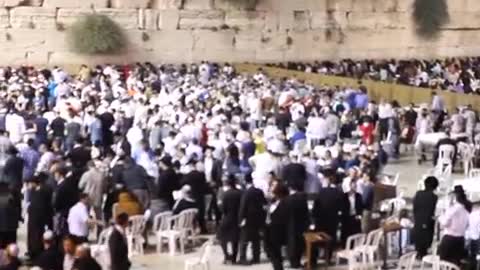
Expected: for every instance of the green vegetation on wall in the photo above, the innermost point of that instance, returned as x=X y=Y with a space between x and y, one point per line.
x=430 y=16
x=96 y=34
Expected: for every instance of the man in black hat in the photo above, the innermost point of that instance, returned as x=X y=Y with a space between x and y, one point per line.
x=40 y=214
x=424 y=204
x=196 y=180
x=168 y=181
x=252 y=220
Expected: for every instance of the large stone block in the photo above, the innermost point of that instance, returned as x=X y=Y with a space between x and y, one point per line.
x=75 y=3
x=169 y=19
x=130 y=3
x=33 y=17
x=247 y=40
x=378 y=20
x=126 y=18
x=169 y=40
x=68 y=16
x=209 y=40
x=166 y=4
x=149 y=18
x=196 y=19
x=245 y=19
x=463 y=20
x=273 y=41
x=4 y=18
x=301 y=20
x=286 y=20
x=198 y=4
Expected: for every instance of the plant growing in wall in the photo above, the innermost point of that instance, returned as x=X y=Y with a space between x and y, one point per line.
x=96 y=34
x=244 y=4
x=430 y=16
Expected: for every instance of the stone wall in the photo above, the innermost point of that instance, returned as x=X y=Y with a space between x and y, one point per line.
x=33 y=31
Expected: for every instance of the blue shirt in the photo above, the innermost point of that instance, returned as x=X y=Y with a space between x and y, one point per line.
x=361 y=101
x=297 y=136
x=30 y=158
x=96 y=131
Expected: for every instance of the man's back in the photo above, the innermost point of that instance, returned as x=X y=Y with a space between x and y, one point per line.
x=118 y=251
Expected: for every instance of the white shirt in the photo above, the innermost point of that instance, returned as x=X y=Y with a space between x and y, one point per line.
x=455 y=220
x=15 y=125
x=317 y=128
x=68 y=261
x=45 y=161
x=385 y=111
x=77 y=220
x=473 y=231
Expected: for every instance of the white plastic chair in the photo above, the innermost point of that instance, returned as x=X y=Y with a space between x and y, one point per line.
x=371 y=246
x=467 y=153
x=160 y=223
x=406 y=261
x=100 y=251
x=349 y=253
x=181 y=226
x=135 y=232
x=391 y=179
x=431 y=259
x=446 y=154
x=443 y=265
x=202 y=262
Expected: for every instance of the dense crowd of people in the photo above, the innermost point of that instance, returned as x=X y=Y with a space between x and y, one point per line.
x=460 y=75
x=248 y=152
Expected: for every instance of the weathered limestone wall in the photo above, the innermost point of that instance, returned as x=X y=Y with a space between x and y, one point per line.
x=33 y=31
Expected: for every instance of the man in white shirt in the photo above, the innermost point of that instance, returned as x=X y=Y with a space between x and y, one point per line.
x=15 y=125
x=79 y=220
x=473 y=235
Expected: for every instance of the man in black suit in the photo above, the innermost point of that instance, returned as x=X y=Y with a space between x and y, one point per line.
x=117 y=244
x=229 y=230
x=13 y=169
x=40 y=214
x=327 y=211
x=352 y=216
x=276 y=226
x=65 y=196
x=298 y=218
x=424 y=204
x=79 y=155
x=196 y=180
x=168 y=181
x=252 y=220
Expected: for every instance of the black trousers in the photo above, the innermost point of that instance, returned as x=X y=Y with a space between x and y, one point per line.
x=201 y=214
x=452 y=249
x=252 y=237
x=34 y=239
x=295 y=247
x=274 y=251
x=473 y=249
x=382 y=128
x=232 y=257
x=423 y=237
x=7 y=238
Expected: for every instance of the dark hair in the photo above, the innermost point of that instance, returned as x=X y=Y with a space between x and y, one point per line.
x=121 y=219
x=462 y=199
x=30 y=142
x=83 y=196
x=280 y=191
x=431 y=183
